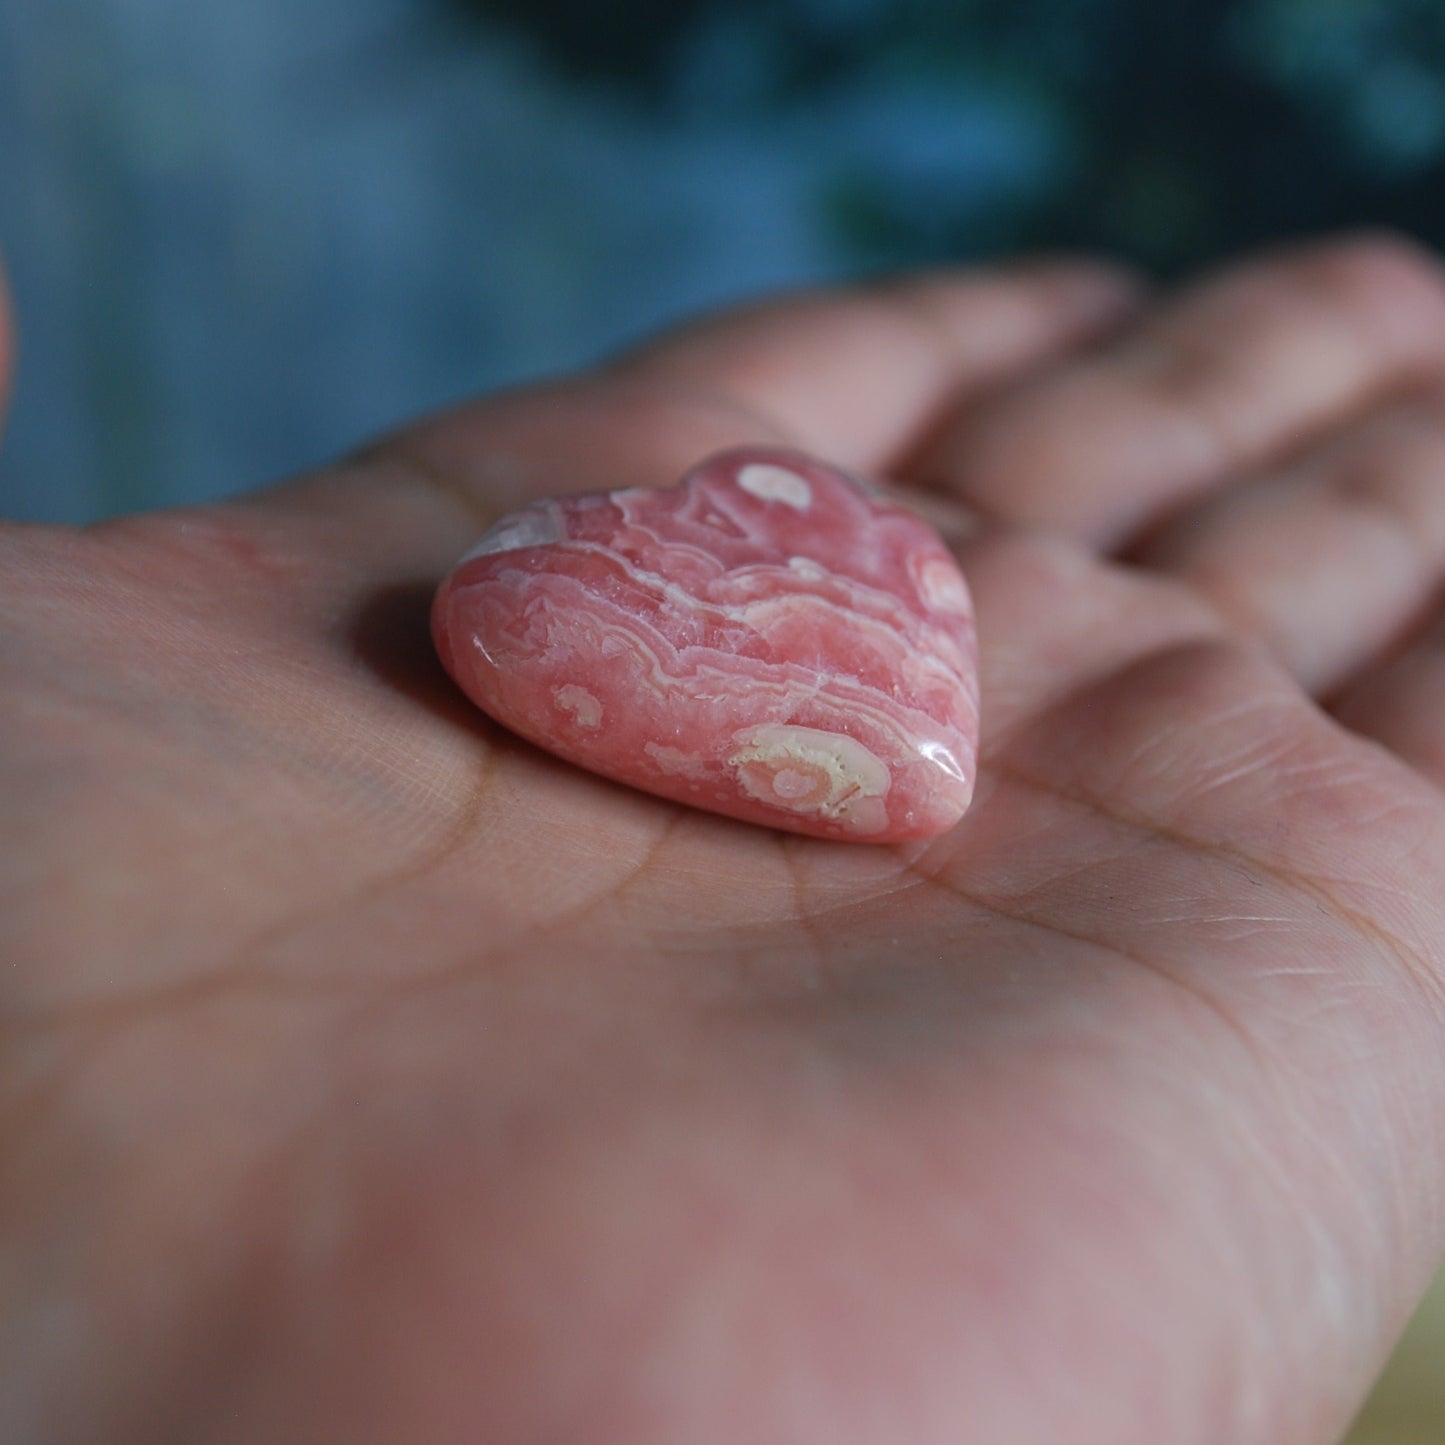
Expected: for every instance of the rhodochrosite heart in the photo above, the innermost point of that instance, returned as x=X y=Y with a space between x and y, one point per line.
x=766 y=640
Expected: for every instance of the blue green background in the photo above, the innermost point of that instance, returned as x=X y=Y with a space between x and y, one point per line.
x=244 y=237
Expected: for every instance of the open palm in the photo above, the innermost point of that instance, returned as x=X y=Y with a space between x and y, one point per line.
x=369 y=1075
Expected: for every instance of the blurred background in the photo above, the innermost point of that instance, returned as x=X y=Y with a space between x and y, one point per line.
x=244 y=237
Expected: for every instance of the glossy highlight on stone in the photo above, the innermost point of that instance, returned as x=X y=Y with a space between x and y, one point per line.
x=768 y=640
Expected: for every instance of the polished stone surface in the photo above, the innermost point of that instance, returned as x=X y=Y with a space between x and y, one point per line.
x=767 y=640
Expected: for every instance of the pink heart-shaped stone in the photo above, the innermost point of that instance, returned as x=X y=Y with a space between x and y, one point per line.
x=766 y=640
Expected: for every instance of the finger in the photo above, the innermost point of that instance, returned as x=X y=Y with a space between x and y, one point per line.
x=1054 y=617
x=857 y=375
x=1231 y=373
x=853 y=375
x=1329 y=560
x=1400 y=703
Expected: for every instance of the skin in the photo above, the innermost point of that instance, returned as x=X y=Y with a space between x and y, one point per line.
x=368 y=1075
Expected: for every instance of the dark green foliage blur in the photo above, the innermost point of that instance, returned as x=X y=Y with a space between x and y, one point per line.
x=1177 y=129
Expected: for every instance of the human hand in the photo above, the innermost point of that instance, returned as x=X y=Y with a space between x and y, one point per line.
x=371 y=1076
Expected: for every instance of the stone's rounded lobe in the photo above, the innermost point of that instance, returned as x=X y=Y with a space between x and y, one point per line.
x=766 y=640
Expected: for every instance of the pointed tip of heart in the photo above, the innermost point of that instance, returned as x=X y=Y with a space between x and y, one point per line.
x=763 y=640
